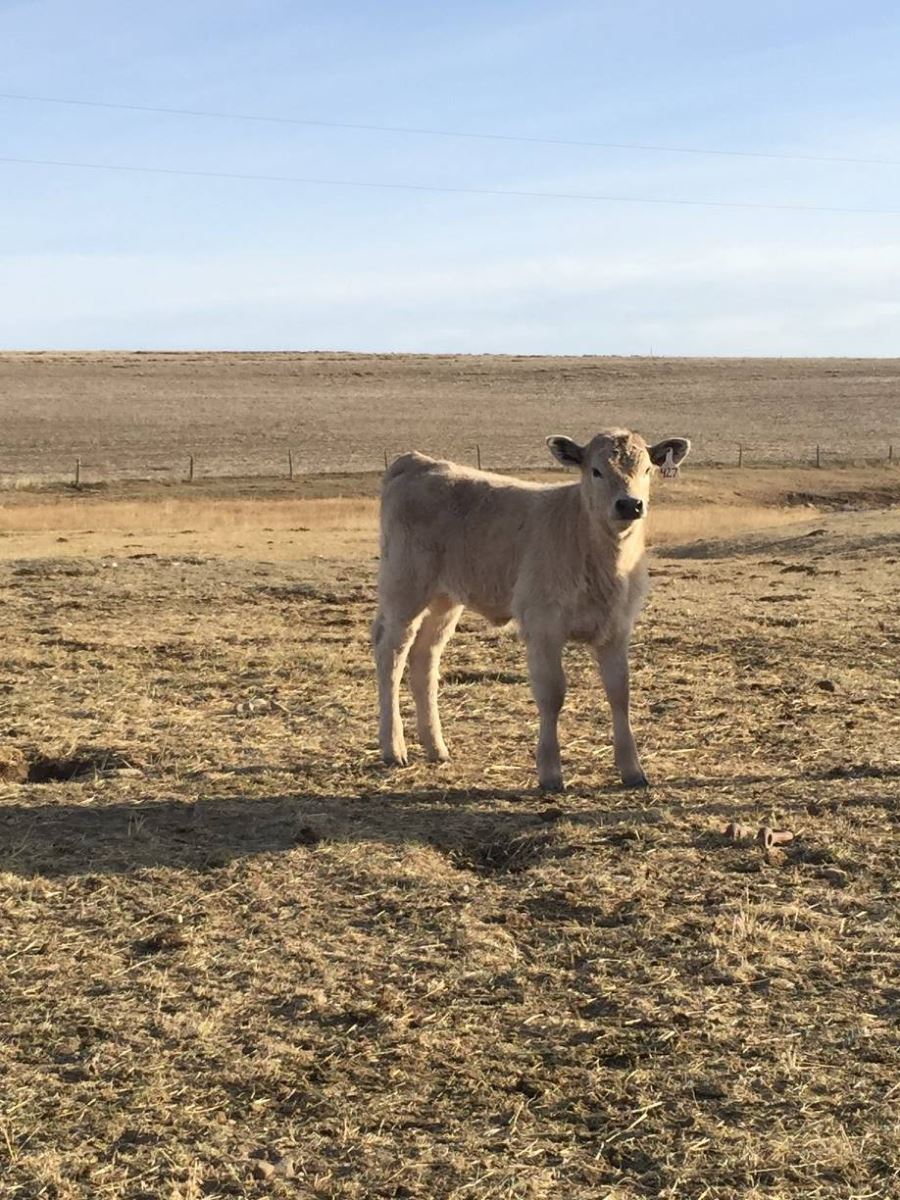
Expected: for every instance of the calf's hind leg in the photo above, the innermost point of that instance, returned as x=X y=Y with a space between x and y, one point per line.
x=391 y=638
x=424 y=663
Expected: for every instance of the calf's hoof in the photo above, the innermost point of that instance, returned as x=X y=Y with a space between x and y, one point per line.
x=395 y=759
x=638 y=780
x=553 y=783
x=438 y=755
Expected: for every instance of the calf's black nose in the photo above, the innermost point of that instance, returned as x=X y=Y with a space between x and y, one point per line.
x=629 y=508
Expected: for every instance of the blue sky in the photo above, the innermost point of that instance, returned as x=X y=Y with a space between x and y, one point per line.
x=96 y=259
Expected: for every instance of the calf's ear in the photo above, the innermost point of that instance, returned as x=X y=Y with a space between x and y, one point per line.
x=679 y=447
x=564 y=450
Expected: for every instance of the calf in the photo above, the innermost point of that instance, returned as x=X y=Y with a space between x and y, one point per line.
x=565 y=561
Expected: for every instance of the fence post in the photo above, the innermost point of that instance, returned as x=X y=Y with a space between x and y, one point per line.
x=385 y=460
x=818 y=456
x=478 y=455
x=740 y=455
x=290 y=464
x=191 y=469
x=891 y=453
x=78 y=472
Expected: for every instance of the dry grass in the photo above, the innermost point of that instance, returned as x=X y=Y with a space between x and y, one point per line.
x=674 y=525
x=338 y=528
x=336 y=516
x=345 y=528
x=242 y=959
x=171 y=516
x=28 y=483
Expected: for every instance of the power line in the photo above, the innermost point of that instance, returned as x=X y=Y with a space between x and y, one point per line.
x=453 y=133
x=456 y=191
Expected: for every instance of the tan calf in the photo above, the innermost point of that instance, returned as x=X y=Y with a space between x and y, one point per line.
x=566 y=562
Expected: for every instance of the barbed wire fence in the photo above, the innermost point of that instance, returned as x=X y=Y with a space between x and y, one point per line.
x=292 y=465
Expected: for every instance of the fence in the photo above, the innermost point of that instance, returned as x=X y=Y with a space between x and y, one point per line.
x=193 y=467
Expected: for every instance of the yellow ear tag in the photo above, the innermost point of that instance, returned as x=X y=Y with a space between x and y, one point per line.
x=669 y=469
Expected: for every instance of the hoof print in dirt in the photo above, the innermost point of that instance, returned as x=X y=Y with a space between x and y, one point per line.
x=308 y=835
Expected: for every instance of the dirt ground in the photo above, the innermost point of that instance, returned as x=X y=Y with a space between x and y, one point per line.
x=128 y=415
x=241 y=958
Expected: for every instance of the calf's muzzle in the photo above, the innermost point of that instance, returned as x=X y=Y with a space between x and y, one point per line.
x=629 y=508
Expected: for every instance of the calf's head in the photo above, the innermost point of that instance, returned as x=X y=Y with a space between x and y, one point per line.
x=616 y=467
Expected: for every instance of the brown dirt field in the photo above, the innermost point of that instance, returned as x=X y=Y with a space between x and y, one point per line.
x=142 y=414
x=240 y=958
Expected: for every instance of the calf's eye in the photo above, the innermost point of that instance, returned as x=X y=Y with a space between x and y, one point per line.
x=597 y=474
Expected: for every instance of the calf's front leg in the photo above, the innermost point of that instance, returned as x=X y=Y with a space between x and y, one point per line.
x=548 y=683
x=613 y=663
